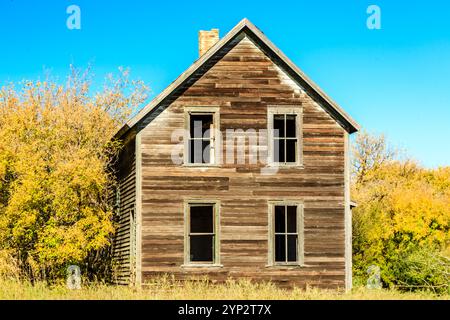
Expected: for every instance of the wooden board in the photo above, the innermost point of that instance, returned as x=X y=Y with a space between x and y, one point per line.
x=243 y=83
x=124 y=200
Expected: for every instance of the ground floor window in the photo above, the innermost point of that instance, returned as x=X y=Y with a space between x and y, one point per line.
x=286 y=240
x=201 y=240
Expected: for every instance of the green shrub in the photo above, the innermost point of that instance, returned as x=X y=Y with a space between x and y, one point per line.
x=422 y=268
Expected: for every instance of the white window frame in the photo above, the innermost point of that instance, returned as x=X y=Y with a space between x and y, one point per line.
x=215 y=144
x=300 y=233
x=285 y=110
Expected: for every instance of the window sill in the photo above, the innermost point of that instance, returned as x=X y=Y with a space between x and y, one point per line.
x=199 y=165
x=201 y=265
x=287 y=166
x=285 y=266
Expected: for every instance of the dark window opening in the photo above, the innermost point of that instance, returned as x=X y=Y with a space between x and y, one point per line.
x=285 y=138
x=280 y=248
x=280 y=217
x=291 y=150
x=286 y=234
x=200 y=125
x=202 y=248
x=202 y=219
x=278 y=125
x=201 y=233
x=290 y=126
x=291 y=219
x=292 y=248
x=200 y=138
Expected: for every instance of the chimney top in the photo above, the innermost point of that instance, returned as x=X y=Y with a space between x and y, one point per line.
x=206 y=39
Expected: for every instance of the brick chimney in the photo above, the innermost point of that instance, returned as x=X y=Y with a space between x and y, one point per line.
x=206 y=39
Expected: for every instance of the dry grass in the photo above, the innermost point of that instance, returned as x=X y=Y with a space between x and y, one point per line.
x=166 y=289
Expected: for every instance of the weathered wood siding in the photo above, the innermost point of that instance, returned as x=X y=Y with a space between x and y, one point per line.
x=243 y=83
x=124 y=201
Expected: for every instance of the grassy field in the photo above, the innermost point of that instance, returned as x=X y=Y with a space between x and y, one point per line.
x=165 y=289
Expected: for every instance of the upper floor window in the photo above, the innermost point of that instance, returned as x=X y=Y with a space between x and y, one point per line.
x=285 y=135
x=201 y=142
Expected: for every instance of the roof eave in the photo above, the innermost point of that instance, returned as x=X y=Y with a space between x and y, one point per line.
x=349 y=124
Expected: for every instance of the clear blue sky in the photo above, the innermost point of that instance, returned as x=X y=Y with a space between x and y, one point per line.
x=394 y=81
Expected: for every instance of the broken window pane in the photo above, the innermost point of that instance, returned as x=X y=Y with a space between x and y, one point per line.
x=278 y=126
x=292 y=248
x=206 y=147
x=202 y=219
x=202 y=248
x=291 y=148
x=292 y=219
x=290 y=126
x=280 y=221
x=199 y=151
x=200 y=125
x=196 y=151
x=279 y=155
x=280 y=248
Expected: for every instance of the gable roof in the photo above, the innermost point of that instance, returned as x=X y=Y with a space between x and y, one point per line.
x=201 y=66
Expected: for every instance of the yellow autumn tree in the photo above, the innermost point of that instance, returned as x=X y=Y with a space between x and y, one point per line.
x=55 y=150
x=402 y=222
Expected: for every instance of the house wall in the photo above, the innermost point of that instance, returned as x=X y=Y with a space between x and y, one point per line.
x=124 y=198
x=243 y=84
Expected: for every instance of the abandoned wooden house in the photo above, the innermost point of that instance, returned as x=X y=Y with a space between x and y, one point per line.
x=193 y=201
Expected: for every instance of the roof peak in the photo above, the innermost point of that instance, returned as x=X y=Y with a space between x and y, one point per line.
x=337 y=112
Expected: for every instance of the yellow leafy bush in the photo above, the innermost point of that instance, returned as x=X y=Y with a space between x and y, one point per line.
x=402 y=219
x=55 y=150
